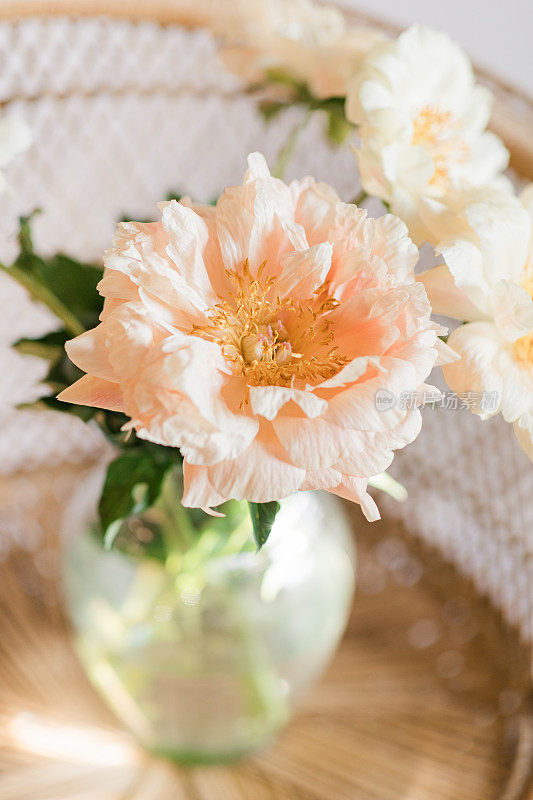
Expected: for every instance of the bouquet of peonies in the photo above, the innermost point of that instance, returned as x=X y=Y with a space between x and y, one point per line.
x=247 y=341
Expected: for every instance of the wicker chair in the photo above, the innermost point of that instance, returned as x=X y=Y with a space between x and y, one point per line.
x=429 y=696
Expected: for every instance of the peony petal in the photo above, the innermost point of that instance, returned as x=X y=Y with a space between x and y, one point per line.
x=140 y=252
x=391 y=243
x=354 y=489
x=269 y=239
x=89 y=391
x=503 y=229
x=261 y=474
x=191 y=401
x=350 y=373
x=268 y=400
x=314 y=204
x=88 y=351
x=322 y=479
x=256 y=221
x=314 y=444
x=356 y=407
x=197 y=491
x=478 y=344
x=257 y=168
x=523 y=428
x=513 y=310
x=445 y=354
x=188 y=236
x=445 y=296
x=303 y=272
x=130 y=336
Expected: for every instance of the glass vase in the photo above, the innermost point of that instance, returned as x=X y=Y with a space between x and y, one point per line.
x=200 y=644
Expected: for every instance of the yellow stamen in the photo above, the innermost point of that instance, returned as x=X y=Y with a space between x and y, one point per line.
x=270 y=340
x=523 y=347
x=438 y=132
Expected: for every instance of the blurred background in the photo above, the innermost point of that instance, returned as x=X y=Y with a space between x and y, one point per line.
x=497 y=35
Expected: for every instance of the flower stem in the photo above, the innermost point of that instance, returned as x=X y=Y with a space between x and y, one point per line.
x=388 y=484
x=42 y=294
x=177 y=530
x=359 y=198
x=288 y=148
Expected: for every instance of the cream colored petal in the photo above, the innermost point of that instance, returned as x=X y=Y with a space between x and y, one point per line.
x=478 y=344
x=523 y=428
x=503 y=229
x=465 y=261
x=445 y=354
x=488 y=156
x=445 y=296
x=513 y=310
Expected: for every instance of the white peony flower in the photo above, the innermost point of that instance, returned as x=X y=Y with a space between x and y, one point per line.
x=486 y=240
x=422 y=123
x=311 y=43
x=15 y=137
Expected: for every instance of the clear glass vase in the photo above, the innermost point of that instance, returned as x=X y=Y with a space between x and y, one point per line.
x=202 y=654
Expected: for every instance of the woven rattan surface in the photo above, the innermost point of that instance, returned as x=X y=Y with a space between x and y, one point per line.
x=427 y=698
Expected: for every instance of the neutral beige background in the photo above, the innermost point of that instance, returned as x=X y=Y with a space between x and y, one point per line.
x=498 y=34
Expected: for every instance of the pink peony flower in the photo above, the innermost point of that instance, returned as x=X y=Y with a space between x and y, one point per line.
x=254 y=336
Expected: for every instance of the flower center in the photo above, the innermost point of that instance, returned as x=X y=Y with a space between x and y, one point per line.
x=438 y=133
x=273 y=341
x=523 y=347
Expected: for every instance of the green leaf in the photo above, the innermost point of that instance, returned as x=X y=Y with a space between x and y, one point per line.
x=66 y=286
x=74 y=284
x=339 y=128
x=281 y=76
x=61 y=371
x=25 y=238
x=270 y=109
x=71 y=283
x=132 y=485
x=263 y=516
x=333 y=104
